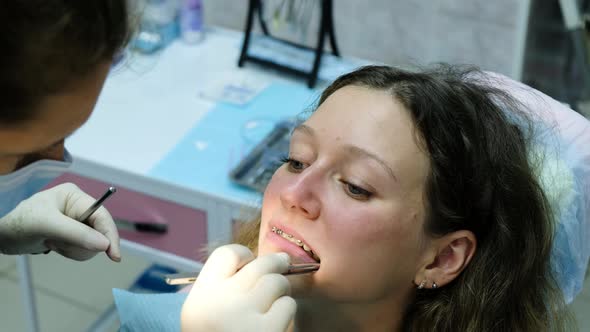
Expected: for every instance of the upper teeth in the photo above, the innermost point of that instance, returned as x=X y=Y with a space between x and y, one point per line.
x=298 y=242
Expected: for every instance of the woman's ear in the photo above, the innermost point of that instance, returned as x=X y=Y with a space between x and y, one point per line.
x=449 y=258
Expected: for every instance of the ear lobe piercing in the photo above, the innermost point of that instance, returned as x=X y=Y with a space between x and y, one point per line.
x=423 y=284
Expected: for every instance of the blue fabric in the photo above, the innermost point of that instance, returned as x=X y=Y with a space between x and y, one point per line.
x=567 y=192
x=149 y=312
x=562 y=159
x=565 y=176
x=23 y=183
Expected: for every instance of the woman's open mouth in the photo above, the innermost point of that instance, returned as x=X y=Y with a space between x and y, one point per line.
x=297 y=242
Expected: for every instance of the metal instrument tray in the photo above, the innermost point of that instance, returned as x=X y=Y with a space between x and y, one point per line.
x=256 y=169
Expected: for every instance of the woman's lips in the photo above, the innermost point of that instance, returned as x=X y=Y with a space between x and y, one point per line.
x=298 y=255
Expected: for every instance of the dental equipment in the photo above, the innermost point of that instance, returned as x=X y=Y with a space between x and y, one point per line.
x=84 y=217
x=191 y=277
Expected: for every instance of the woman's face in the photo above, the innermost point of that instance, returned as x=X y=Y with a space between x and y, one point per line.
x=352 y=192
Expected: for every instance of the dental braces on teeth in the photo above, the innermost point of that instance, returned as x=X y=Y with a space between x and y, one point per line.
x=298 y=242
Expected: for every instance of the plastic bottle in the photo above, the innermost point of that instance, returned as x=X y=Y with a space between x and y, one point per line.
x=158 y=26
x=191 y=21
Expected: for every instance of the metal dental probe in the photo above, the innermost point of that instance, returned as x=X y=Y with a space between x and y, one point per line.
x=191 y=277
x=84 y=217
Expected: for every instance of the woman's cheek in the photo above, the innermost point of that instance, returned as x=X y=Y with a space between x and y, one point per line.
x=356 y=223
x=270 y=203
x=276 y=182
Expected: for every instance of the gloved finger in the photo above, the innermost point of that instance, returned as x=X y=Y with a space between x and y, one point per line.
x=268 y=289
x=224 y=262
x=102 y=222
x=70 y=251
x=64 y=229
x=280 y=314
x=247 y=277
x=72 y=203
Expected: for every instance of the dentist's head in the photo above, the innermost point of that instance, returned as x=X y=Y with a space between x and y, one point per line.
x=55 y=58
x=54 y=61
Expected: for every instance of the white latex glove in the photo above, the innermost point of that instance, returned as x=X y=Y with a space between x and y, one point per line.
x=47 y=220
x=255 y=298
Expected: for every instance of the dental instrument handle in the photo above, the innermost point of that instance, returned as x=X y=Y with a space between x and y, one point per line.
x=84 y=217
x=191 y=277
x=302 y=268
x=141 y=226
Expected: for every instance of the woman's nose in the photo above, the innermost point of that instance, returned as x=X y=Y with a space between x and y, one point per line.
x=300 y=196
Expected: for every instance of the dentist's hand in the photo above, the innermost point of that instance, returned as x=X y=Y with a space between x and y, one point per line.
x=47 y=220
x=255 y=298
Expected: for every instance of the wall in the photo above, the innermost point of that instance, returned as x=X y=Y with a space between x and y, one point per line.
x=486 y=33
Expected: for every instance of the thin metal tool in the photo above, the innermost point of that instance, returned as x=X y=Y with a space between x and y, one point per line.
x=84 y=217
x=191 y=277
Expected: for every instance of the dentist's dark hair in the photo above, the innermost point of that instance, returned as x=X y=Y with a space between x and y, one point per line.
x=477 y=138
x=47 y=45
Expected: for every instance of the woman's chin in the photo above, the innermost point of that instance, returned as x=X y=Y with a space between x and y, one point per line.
x=302 y=285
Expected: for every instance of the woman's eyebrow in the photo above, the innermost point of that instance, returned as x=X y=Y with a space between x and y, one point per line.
x=304 y=129
x=352 y=149
x=355 y=150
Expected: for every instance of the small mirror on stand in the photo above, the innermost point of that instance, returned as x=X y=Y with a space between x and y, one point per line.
x=326 y=29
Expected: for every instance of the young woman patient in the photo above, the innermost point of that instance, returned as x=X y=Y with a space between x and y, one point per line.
x=415 y=193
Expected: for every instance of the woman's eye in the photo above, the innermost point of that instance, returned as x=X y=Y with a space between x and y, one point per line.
x=357 y=192
x=293 y=165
